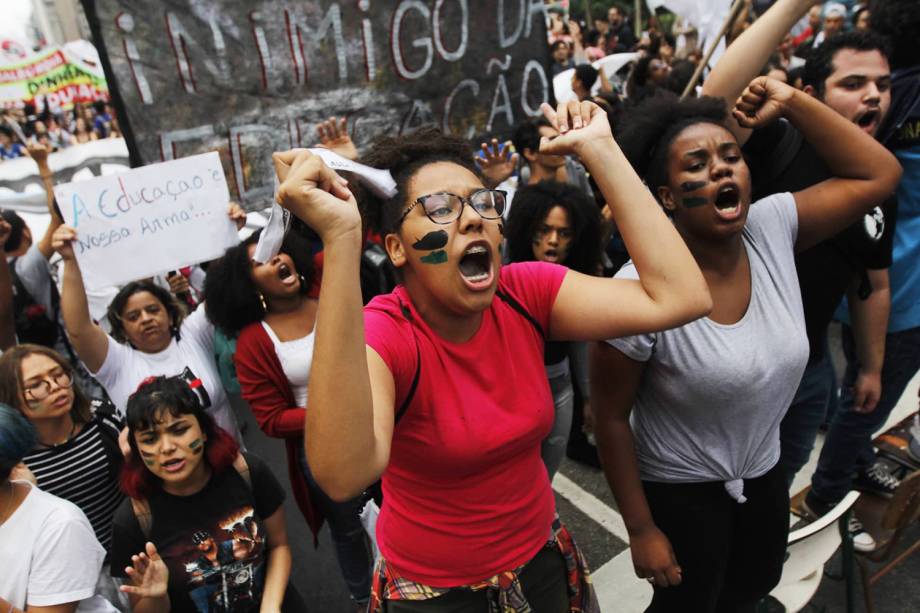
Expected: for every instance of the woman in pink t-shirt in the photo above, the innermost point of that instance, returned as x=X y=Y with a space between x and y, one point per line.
x=438 y=388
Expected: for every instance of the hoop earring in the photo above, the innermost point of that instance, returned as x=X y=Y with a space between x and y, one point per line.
x=262 y=302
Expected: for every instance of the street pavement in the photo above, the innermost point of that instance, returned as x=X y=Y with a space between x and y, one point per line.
x=587 y=507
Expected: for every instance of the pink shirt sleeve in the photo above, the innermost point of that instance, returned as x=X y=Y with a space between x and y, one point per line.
x=387 y=332
x=535 y=285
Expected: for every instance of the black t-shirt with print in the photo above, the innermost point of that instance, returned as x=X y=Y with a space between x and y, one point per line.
x=782 y=161
x=213 y=542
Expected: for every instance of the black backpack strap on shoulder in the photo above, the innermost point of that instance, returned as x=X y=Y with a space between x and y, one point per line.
x=242 y=467
x=788 y=147
x=144 y=516
x=418 y=364
x=517 y=306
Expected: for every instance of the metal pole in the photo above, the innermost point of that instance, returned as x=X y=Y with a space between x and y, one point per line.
x=589 y=23
x=733 y=13
x=637 y=19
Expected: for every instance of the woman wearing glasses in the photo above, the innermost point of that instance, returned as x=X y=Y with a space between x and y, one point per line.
x=438 y=388
x=76 y=456
x=558 y=223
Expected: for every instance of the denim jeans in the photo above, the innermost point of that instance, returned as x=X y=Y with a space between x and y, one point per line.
x=352 y=547
x=808 y=410
x=848 y=447
x=552 y=450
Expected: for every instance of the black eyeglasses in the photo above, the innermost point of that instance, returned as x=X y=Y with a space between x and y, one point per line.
x=39 y=390
x=444 y=208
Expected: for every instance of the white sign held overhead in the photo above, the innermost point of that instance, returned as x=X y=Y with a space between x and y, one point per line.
x=148 y=220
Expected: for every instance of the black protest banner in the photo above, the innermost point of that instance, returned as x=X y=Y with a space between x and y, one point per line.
x=248 y=77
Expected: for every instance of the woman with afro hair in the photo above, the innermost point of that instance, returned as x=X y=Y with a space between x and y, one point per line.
x=555 y=222
x=687 y=420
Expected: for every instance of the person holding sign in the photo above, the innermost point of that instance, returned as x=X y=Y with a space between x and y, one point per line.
x=439 y=389
x=150 y=336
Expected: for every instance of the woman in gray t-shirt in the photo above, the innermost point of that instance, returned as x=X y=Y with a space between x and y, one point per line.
x=688 y=419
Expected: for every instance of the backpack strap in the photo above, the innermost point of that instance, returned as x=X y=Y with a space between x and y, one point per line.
x=242 y=467
x=418 y=365
x=143 y=515
x=517 y=306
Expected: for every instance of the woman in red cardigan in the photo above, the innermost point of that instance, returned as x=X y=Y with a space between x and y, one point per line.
x=271 y=311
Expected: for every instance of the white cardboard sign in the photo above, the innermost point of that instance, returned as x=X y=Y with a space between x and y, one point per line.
x=148 y=220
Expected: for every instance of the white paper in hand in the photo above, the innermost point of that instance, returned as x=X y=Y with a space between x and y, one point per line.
x=273 y=233
x=378 y=181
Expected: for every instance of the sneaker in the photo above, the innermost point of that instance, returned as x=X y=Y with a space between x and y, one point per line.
x=877 y=480
x=813 y=508
x=862 y=540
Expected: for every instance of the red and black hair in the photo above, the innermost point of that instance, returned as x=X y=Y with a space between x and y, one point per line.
x=146 y=407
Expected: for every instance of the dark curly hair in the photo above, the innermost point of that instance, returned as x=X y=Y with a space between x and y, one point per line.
x=403 y=156
x=117 y=306
x=526 y=134
x=231 y=298
x=638 y=85
x=153 y=398
x=648 y=130
x=820 y=63
x=899 y=22
x=531 y=206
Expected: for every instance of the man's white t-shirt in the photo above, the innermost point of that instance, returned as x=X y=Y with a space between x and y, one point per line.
x=50 y=555
x=192 y=356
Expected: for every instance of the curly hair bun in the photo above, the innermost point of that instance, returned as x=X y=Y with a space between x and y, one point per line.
x=649 y=128
x=403 y=156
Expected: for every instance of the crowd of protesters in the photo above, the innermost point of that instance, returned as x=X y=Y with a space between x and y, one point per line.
x=642 y=279
x=23 y=127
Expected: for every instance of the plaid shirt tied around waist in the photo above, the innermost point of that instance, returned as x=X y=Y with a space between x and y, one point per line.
x=505 y=593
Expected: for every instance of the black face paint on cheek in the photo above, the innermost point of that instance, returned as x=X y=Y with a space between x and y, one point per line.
x=692 y=186
x=431 y=241
x=693 y=202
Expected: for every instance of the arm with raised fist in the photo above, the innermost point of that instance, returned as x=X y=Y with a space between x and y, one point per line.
x=671 y=290
x=90 y=342
x=349 y=421
x=747 y=55
x=864 y=173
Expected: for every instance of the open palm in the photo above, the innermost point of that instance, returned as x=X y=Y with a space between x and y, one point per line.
x=149 y=576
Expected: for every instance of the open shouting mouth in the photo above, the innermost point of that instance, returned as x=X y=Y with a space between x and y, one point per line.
x=476 y=266
x=728 y=202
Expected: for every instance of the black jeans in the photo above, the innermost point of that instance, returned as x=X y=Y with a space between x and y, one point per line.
x=731 y=554
x=543 y=580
